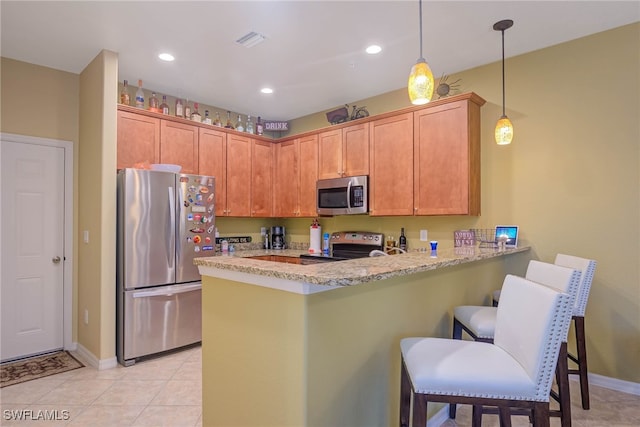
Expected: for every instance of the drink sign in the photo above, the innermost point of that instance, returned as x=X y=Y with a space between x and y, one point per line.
x=276 y=126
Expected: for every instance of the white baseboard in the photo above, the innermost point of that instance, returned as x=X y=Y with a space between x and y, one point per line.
x=91 y=359
x=440 y=417
x=614 y=384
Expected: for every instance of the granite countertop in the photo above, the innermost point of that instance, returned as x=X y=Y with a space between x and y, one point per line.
x=345 y=273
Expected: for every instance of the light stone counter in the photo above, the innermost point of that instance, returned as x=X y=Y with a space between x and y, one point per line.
x=330 y=275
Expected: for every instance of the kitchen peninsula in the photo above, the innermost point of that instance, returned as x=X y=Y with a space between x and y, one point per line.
x=317 y=345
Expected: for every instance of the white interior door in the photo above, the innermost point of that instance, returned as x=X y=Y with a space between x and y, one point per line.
x=32 y=287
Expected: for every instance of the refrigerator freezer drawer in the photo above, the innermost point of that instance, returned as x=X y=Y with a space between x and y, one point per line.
x=160 y=319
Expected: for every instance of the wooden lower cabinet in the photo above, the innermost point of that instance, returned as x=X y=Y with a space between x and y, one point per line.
x=296 y=173
x=391 y=163
x=447 y=159
x=212 y=161
x=138 y=140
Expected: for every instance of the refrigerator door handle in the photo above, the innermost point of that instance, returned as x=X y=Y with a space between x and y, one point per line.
x=171 y=241
x=167 y=291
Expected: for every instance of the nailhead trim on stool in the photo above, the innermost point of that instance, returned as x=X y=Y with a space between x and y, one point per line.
x=479 y=321
x=516 y=371
x=588 y=268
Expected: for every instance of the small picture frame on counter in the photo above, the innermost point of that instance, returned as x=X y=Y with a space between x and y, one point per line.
x=464 y=238
x=511 y=231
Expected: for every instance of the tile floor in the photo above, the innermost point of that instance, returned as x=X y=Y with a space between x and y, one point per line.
x=168 y=392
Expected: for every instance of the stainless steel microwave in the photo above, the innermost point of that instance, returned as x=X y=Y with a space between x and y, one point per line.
x=343 y=196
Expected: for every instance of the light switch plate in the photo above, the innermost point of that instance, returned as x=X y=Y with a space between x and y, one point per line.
x=424 y=237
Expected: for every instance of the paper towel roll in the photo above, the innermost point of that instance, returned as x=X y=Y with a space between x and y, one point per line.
x=315 y=238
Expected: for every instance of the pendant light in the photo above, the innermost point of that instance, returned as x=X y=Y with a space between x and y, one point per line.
x=420 y=84
x=504 y=128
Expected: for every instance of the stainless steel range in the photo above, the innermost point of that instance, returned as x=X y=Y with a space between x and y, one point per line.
x=346 y=245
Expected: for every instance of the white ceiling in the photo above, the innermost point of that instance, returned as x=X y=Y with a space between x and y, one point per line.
x=313 y=56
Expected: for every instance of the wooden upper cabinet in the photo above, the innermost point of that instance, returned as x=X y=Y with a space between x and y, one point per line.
x=261 y=178
x=330 y=154
x=344 y=152
x=447 y=159
x=179 y=145
x=138 y=140
x=212 y=161
x=287 y=178
x=238 y=175
x=355 y=150
x=391 y=162
x=307 y=201
x=296 y=173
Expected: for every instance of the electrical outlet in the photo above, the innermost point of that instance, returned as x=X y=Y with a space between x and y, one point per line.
x=424 y=237
x=86 y=316
x=85 y=236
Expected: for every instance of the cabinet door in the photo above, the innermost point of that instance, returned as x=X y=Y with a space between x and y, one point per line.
x=179 y=145
x=138 y=140
x=391 y=157
x=443 y=161
x=261 y=178
x=212 y=160
x=238 y=175
x=355 y=150
x=330 y=154
x=308 y=176
x=287 y=178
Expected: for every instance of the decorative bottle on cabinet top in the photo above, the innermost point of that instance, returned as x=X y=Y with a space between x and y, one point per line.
x=125 y=99
x=140 y=95
x=164 y=107
x=179 y=108
x=239 y=126
x=195 y=116
x=249 y=127
x=259 y=128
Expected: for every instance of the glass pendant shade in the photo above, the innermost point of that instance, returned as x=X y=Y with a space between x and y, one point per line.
x=504 y=131
x=420 y=84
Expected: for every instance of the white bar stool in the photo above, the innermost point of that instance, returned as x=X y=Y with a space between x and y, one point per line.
x=480 y=322
x=516 y=371
x=588 y=268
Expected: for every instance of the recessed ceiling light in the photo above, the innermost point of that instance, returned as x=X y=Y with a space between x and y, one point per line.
x=266 y=90
x=166 y=57
x=373 y=49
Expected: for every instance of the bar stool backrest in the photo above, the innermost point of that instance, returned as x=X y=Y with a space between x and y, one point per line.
x=530 y=334
x=587 y=267
x=563 y=279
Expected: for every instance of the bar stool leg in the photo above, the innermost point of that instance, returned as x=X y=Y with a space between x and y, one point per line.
x=581 y=345
x=405 y=396
x=562 y=378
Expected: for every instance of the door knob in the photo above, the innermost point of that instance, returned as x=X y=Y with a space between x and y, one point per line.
x=55 y=260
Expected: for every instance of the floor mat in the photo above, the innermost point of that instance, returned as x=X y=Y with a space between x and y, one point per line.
x=37 y=367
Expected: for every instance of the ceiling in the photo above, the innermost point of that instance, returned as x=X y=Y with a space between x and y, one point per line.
x=313 y=56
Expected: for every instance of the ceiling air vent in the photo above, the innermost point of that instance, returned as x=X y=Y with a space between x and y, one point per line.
x=251 y=39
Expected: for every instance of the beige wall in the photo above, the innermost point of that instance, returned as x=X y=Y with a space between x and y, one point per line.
x=570 y=179
x=43 y=102
x=97 y=210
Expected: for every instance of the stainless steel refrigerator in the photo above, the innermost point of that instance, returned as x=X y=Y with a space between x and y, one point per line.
x=164 y=220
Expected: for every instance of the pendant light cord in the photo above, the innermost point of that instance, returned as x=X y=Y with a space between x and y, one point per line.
x=421 y=57
x=503 y=73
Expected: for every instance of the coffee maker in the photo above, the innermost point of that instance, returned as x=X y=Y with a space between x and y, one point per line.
x=277 y=237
